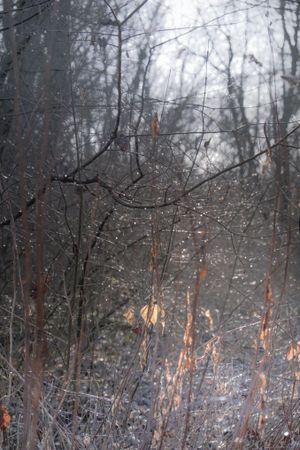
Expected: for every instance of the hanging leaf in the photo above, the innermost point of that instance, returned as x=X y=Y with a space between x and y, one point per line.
x=293 y=351
x=130 y=315
x=290 y=353
x=150 y=314
x=5 y=418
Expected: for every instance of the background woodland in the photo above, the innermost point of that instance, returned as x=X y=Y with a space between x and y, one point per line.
x=149 y=224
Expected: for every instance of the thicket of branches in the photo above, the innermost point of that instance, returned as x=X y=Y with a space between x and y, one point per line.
x=149 y=216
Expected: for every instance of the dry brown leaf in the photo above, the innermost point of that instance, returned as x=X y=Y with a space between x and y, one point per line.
x=290 y=353
x=150 y=314
x=293 y=351
x=130 y=315
x=5 y=418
